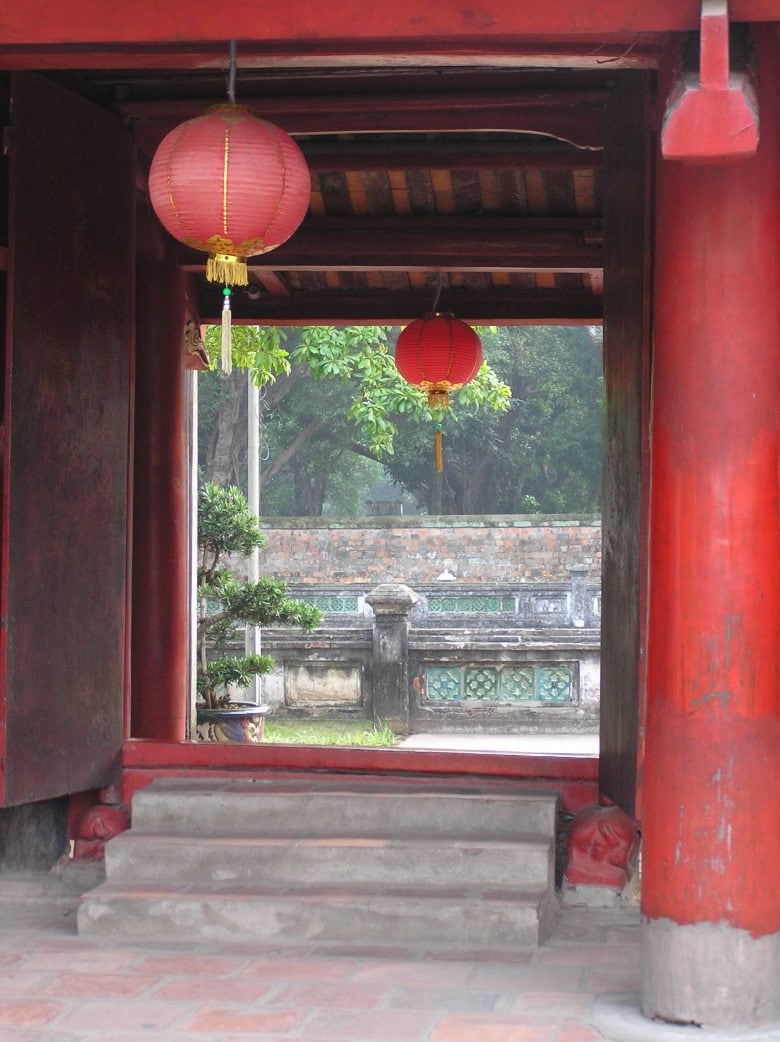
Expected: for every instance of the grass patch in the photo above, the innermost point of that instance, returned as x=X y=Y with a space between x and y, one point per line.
x=328 y=732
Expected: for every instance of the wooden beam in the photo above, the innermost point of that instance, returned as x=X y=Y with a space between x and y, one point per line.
x=615 y=50
x=351 y=23
x=576 y=117
x=560 y=307
x=424 y=243
x=272 y=283
x=508 y=154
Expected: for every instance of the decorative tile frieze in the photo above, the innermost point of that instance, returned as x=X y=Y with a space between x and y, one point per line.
x=470 y=605
x=334 y=603
x=525 y=685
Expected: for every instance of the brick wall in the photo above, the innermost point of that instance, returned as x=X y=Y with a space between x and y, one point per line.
x=479 y=549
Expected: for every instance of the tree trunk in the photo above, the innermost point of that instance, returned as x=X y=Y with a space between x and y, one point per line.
x=226 y=455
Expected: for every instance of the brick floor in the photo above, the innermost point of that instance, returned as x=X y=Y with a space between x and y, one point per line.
x=58 y=987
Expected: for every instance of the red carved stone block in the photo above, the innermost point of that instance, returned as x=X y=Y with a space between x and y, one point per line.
x=100 y=824
x=602 y=848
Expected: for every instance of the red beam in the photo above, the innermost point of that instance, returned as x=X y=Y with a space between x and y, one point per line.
x=425 y=243
x=571 y=116
x=230 y=758
x=613 y=50
x=556 y=307
x=458 y=25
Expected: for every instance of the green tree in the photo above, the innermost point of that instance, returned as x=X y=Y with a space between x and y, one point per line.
x=226 y=526
x=543 y=454
x=332 y=398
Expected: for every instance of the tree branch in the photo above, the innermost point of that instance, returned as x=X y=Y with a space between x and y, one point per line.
x=291 y=451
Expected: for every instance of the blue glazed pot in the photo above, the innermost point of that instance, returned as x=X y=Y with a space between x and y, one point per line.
x=234 y=722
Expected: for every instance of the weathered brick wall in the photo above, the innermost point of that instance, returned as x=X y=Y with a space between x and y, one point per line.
x=479 y=549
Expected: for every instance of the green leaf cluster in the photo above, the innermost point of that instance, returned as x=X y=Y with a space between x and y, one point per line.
x=226 y=525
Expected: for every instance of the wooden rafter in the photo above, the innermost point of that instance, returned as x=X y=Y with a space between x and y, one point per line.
x=307 y=308
x=420 y=243
x=572 y=116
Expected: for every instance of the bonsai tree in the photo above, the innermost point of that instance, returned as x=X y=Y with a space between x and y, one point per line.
x=226 y=526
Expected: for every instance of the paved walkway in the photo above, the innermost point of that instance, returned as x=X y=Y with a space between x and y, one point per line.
x=58 y=987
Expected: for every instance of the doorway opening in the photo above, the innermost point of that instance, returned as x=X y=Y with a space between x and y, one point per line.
x=334 y=453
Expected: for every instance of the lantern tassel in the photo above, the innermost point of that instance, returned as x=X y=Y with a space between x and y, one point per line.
x=225 y=268
x=439 y=454
x=227 y=333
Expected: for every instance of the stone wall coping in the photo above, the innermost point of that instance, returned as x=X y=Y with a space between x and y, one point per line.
x=405 y=521
x=440 y=586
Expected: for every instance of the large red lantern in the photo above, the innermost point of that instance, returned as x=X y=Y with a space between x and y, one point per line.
x=439 y=354
x=232 y=185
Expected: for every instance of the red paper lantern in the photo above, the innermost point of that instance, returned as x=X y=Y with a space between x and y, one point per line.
x=229 y=184
x=438 y=353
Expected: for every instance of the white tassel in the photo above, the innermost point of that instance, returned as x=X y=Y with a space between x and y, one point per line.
x=227 y=334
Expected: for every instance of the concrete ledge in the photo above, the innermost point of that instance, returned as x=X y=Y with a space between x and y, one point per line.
x=709 y=975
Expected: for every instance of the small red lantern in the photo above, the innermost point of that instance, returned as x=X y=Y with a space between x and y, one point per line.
x=232 y=185
x=439 y=354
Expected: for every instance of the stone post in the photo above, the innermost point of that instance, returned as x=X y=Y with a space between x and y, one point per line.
x=578 y=607
x=392 y=604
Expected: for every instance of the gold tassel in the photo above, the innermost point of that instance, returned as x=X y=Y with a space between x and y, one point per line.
x=227 y=333
x=439 y=454
x=438 y=398
x=232 y=271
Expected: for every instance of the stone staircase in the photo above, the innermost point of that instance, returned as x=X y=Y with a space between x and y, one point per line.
x=340 y=859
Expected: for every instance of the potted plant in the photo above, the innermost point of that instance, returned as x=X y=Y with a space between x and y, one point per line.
x=226 y=525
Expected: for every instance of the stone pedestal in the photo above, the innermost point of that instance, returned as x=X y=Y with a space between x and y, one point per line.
x=578 y=611
x=392 y=604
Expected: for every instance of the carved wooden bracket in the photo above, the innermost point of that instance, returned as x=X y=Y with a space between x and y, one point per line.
x=711 y=117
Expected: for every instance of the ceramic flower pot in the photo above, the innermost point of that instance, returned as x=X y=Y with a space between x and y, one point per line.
x=233 y=722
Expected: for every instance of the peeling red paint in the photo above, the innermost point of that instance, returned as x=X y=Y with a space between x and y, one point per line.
x=712 y=761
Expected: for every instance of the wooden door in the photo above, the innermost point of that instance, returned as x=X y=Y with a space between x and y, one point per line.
x=629 y=158
x=65 y=455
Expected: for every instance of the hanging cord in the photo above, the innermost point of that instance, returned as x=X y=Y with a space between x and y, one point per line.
x=437 y=294
x=231 y=80
x=227 y=317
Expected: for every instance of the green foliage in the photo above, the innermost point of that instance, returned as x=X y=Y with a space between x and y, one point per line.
x=226 y=525
x=543 y=454
x=340 y=388
x=263 y=602
x=234 y=669
x=524 y=436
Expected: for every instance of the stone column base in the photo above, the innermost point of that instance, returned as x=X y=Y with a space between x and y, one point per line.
x=709 y=975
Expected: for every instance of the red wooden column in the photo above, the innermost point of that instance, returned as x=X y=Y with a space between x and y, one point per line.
x=711 y=863
x=159 y=633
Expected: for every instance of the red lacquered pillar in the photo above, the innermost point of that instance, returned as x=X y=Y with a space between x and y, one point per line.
x=711 y=828
x=159 y=634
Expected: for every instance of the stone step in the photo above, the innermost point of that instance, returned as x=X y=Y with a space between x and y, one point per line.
x=144 y=857
x=343 y=806
x=288 y=915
